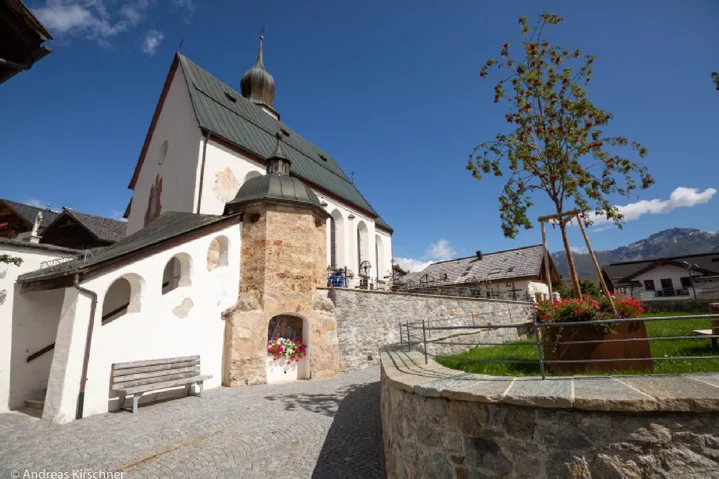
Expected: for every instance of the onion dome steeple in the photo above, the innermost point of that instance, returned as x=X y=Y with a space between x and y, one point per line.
x=257 y=85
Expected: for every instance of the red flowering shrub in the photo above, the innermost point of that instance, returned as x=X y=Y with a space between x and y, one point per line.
x=586 y=309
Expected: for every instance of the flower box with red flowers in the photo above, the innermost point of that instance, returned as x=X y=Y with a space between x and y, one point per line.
x=564 y=343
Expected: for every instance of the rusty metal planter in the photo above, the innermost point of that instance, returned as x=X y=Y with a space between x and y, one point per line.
x=598 y=349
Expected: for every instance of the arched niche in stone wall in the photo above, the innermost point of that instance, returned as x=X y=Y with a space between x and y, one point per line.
x=288 y=326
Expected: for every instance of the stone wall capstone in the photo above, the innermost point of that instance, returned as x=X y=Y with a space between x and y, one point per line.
x=368 y=320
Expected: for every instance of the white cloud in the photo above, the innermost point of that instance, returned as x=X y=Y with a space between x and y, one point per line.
x=578 y=249
x=440 y=250
x=187 y=7
x=152 y=41
x=681 y=197
x=411 y=265
x=87 y=18
x=36 y=203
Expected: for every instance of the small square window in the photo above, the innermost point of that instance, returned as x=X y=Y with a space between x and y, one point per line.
x=495 y=270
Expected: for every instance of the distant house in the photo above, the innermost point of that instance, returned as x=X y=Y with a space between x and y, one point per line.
x=688 y=276
x=517 y=274
x=72 y=229
x=18 y=218
x=67 y=228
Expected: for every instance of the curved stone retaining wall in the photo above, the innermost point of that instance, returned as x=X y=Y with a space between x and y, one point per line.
x=441 y=423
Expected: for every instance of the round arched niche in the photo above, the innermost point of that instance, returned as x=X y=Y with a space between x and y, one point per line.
x=289 y=326
x=123 y=296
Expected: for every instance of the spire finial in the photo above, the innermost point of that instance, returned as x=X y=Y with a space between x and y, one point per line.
x=278 y=162
x=260 y=62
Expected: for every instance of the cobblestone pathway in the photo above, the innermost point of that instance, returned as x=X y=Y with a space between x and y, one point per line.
x=314 y=429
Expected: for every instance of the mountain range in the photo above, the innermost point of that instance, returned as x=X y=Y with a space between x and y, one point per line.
x=666 y=243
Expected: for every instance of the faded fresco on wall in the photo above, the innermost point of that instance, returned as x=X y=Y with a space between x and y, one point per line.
x=226 y=185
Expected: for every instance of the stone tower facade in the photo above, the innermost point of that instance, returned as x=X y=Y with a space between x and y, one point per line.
x=283 y=260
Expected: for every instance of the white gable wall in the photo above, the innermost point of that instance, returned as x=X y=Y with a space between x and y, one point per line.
x=28 y=323
x=672 y=272
x=185 y=321
x=180 y=169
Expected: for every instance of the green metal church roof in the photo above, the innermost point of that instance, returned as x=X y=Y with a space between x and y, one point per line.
x=227 y=114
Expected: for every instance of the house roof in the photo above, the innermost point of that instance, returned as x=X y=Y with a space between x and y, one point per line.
x=505 y=265
x=105 y=229
x=29 y=212
x=223 y=111
x=618 y=272
x=168 y=226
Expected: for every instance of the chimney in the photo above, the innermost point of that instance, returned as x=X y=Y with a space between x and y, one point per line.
x=479 y=255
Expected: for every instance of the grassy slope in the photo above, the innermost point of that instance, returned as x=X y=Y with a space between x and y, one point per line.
x=527 y=350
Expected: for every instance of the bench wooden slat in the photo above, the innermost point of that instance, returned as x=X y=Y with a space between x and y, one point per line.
x=154 y=362
x=163 y=385
x=155 y=380
x=157 y=375
x=160 y=367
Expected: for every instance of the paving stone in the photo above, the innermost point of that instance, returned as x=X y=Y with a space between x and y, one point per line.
x=550 y=392
x=606 y=394
x=677 y=393
x=310 y=429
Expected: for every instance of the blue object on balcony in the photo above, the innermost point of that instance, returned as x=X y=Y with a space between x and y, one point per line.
x=336 y=280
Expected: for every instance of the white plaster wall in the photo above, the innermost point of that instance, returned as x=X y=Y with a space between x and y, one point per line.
x=28 y=322
x=179 y=171
x=152 y=333
x=537 y=287
x=216 y=189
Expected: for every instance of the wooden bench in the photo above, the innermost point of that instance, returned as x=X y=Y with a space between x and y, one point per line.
x=710 y=332
x=140 y=377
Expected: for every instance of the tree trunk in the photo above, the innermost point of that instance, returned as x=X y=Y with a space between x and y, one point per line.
x=570 y=260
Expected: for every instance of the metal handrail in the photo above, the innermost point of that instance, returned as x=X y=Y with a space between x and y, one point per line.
x=415 y=333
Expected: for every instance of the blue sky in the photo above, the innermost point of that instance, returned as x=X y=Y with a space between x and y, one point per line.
x=390 y=89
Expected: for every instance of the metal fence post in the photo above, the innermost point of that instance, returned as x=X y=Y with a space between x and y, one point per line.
x=539 y=346
x=424 y=335
x=401 y=339
x=409 y=341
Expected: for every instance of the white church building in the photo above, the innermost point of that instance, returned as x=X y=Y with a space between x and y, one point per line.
x=234 y=222
x=206 y=140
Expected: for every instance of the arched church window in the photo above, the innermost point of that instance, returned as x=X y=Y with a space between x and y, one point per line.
x=359 y=249
x=333 y=244
x=217 y=253
x=176 y=273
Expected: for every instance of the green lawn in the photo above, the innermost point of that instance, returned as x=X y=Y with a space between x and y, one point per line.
x=527 y=350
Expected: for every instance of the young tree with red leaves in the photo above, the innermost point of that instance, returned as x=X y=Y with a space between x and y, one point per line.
x=556 y=144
